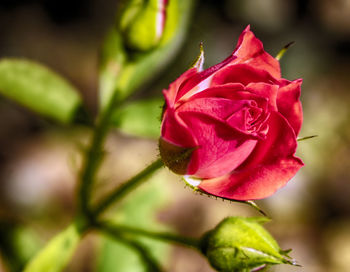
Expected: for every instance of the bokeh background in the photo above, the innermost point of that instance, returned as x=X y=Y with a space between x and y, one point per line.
x=39 y=160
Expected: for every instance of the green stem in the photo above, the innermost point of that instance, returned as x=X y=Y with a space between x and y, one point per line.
x=127 y=187
x=93 y=156
x=114 y=229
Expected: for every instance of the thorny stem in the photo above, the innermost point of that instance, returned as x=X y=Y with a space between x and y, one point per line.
x=87 y=215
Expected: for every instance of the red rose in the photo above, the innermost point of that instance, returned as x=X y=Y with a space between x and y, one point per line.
x=232 y=128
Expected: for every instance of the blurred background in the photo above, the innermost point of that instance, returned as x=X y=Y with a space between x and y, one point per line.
x=39 y=160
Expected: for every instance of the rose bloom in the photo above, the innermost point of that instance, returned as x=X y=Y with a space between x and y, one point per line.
x=231 y=129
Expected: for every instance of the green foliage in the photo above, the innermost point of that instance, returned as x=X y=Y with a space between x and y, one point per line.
x=139 y=211
x=126 y=71
x=17 y=244
x=57 y=253
x=113 y=59
x=39 y=89
x=140 y=118
x=242 y=244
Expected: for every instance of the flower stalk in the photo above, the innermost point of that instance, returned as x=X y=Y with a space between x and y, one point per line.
x=126 y=187
x=93 y=157
x=120 y=230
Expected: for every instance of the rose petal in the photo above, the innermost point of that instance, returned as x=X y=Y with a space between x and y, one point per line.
x=289 y=105
x=171 y=93
x=265 y=90
x=220 y=148
x=233 y=91
x=218 y=108
x=202 y=80
x=270 y=166
x=242 y=73
x=251 y=122
x=250 y=50
x=175 y=131
x=234 y=112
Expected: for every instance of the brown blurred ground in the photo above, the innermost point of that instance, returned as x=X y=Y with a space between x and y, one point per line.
x=38 y=161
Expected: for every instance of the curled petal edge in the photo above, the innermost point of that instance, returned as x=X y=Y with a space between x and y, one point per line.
x=262 y=174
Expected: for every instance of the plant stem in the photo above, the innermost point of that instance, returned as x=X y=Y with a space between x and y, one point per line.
x=127 y=187
x=114 y=229
x=93 y=156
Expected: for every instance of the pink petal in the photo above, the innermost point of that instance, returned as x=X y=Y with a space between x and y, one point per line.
x=233 y=91
x=217 y=108
x=220 y=148
x=175 y=131
x=250 y=50
x=174 y=87
x=250 y=121
x=270 y=166
x=234 y=100
x=242 y=73
x=289 y=105
x=265 y=90
x=202 y=80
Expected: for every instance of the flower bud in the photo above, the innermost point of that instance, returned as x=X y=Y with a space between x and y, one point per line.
x=142 y=23
x=242 y=244
x=243 y=119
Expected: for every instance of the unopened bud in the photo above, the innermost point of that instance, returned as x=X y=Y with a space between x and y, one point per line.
x=242 y=244
x=142 y=23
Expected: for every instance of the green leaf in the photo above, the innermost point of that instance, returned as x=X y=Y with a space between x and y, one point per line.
x=242 y=244
x=139 y=210
x=140 y=118
x=38 y=88
x=57 y=253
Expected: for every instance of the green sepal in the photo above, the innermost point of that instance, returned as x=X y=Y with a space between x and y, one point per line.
x=306 y=138
x=283 y=51
x=176 y=158
x=198 y=63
